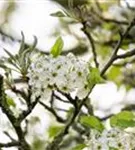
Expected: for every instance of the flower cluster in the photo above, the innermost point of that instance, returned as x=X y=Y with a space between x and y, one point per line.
x=64 y=73
x=114 y=139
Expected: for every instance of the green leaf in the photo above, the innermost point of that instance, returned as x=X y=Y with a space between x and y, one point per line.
x=57 y=47
x=24 y=58
x=58 y=14
x=10 y=101
x=114 y=72
x=31 y=48
x=92 y=122
x=79 y=147
x=54 y=130
x=126 y=115
x=123 y=119
x=94 y=76
x=3 y=66
x=126 y=123
x=22 y=46
x=12 y=60
x=10 y=55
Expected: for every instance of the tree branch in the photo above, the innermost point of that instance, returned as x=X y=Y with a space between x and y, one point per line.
x=58 y=118
x=8 y=135
x=54 y=145
x=127 y=54
x=29 y=110
x=14 y=121
x=85 y=30
x=113 y=20
x=60 y=99
x=109 y=20
x=114 y=55
x=68 y=96
x=124 y=63
x=10 y=144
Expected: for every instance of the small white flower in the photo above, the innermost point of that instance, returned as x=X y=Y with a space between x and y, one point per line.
x=115 y=138
x=47 y=92
x=67 y=73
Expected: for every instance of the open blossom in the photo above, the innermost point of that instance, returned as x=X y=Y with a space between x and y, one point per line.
x=66 y=73
x=116 y=139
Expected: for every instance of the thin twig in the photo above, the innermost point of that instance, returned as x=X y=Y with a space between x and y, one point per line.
x=111 y=20
x=29 y=110
x=60 y=99
x=69 y=98
x=54 y=145
x=26 y=126
x=85 y=30
x=127 y=54
x=58 y=118
x=61 y=109
x=7 y=134
x=17 y=91
x=114 y=55
x=129 y=108
x=124 y=63
x=14 y=121
x=10 y=144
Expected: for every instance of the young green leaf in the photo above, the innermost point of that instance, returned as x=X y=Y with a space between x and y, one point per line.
x=92 y=122
x=31 y=48
x=22 y=46
x=114 y=74
x=79 y=147
x=115 y=122
x=54 y=130
x=11 y=56
x=57 y=47
x=94 y=76
x=126 y=115
x=123 y=119
x=10 y=101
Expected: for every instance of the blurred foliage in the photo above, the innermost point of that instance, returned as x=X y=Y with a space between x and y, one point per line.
x=38 y=144
x=65 y=3
x=79 y=147
x=8 y=8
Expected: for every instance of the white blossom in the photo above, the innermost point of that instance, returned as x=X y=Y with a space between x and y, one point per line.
x=114 y=138
x=66 y=73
